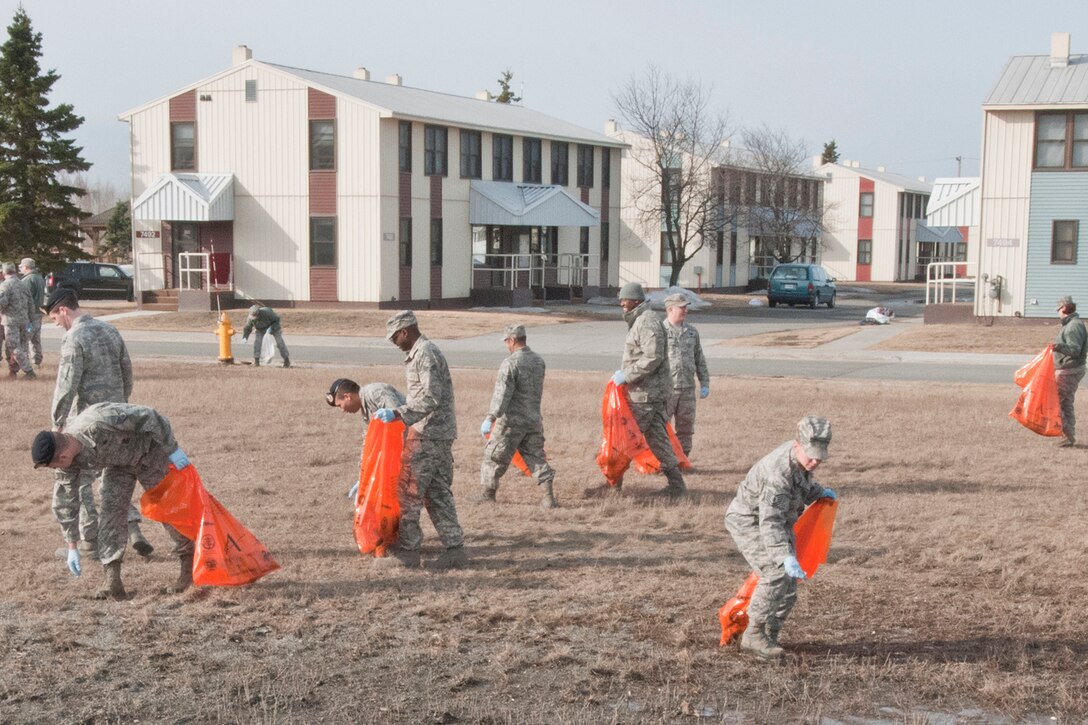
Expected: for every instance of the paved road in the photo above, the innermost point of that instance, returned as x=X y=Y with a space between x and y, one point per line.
x=597 y=345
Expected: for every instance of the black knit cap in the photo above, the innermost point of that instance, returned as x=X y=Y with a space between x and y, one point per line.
x=61 y=296
x=43 y=449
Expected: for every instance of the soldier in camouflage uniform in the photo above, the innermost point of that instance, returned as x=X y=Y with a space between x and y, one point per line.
x=761 y=517
x=349 y=397
x=129 y=443
x=15 y=304
x=1070 y=350
x=94 y=367
x=427 y=463
x=514 y=420
x=265 y=320
x=686 y=362
x=645 y=371
x=36 y=284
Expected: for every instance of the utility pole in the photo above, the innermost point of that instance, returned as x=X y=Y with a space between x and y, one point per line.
x=959 y=162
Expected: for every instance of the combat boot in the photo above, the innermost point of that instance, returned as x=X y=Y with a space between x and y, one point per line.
x=548 y=499
x=605 y=489
x=30 y=374
x=287 y=362
x=256 y=362
x=1067 y=441
x=486 y=495
x=755 y=641
x=185 y=575
x=137 y=541
x=114 y=589
x=452 y=558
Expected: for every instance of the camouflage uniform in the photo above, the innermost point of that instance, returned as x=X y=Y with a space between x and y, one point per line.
x=266 y=320
x=760 y=519
x=686 y=362
x=1069 y=368
x=94 y=368
x=515 y=407
x=646 y=369
x=130 y=443
x=374 y=397
x=36 y=284
x=427 y=464
x=15 y=310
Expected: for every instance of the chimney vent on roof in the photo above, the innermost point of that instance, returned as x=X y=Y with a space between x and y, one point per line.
x=241 y=54
x=611 y=127
x=922 y=179
x=483 y=95
x=857 y=164
x=881 y=169
x=1059 y=50
x=394 y=80
x=361 y=73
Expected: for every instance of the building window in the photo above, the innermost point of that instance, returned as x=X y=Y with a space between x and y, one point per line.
x=405 y=241
x=502 y=157
x=604 y=242
x=405 y=131
x=585 y=166
x=323 y=241
x=183 y=146
x=434 y=150
x=322 y=146
x=1061 y=140
x=436 y=242
x=1063 y=243
x=560 y=162
x=470 y=154
x=606 y=168
x=583 y=240
x=251 y=91
x=865 y=204
x=865 y=251
x=530 y=161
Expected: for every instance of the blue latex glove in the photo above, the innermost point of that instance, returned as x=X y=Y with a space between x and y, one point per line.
x=704 y=391
x=73 y=562
x=485 y=427
x=353 y=491
x=829 y=493
x=619 y=378
x=793 y=567
x=179 y=459
x=385 y=415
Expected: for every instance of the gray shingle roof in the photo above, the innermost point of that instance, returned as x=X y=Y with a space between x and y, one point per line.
x=1029 y=80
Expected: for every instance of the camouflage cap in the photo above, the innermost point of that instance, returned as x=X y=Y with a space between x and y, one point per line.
x=399 y=321
x=814 y=435
x=62 y=295
x=253 y=311
x=514 y=332
x=677 y=300
x=43 y=448
x=1063 y=301
x=632 y=291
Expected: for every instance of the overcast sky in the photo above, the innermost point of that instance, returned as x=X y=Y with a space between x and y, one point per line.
x=898 y=84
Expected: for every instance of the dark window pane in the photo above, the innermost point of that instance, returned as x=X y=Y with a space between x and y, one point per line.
x=183 y=146
x=322 y=241
x=436 y=242
x=434 y=150
x=405 y=145
x=470 y=155
x=405 y=241
x=585 y=166
x=560 y=160
x=322 y=146
x=502 y=157
x=530 y=160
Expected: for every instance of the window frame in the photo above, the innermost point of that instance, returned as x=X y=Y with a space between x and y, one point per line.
x=606 y=167
x=251 y=90
x=560 y=163
x=502 y=157
x=585 y=166
x=1073 y=243
x=316 y=159
x=1069 y=142
x=865 y=254
x=175 y=147
x=471 y=161
x=862 y=204
x=583 y=241
x=605 y=247
x=436 y=241
x=404 y=242
x=316 y=243
x=404 y=146
x=531 y=150
x=435 y=159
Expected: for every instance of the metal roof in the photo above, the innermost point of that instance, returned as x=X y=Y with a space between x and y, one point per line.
x=1030 y=80
x=187 y=197
x=954 y=201
x=527 y=205
x=945 y=235
x=905 y=182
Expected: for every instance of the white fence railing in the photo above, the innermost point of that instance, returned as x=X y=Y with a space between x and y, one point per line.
x=512 y=270
x=944 y=280
x=577 y=270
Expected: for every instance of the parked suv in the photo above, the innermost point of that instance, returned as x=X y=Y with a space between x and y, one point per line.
x=93 y=280
x=801 y=284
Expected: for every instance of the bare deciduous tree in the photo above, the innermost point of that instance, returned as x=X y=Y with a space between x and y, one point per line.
x=678 y=140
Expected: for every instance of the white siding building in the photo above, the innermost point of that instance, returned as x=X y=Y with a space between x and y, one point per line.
x=307 y=187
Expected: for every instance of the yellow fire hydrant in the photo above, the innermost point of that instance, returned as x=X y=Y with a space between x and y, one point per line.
x=224 y=332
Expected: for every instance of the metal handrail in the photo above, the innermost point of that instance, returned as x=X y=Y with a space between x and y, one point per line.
x=577 y=269
x=942 y=277
x=186 y=268
x=512 y=265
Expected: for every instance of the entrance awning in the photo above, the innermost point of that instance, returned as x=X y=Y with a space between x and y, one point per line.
x=187 y=198
x=939 y=234
x=527 y=205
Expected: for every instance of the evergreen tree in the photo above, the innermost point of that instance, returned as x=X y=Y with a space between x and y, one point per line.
x=37 y=216
x=831 y=153
x=118 y=238
x=505 y=94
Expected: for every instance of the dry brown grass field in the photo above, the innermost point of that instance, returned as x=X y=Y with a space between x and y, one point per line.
x=1006 y=339
x=955 y=582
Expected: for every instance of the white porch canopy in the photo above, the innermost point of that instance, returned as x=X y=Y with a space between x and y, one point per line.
x=940 y=235
x=527 y=205
x=187 y=198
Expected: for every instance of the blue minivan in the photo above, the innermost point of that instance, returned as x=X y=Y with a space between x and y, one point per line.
x=807 y=284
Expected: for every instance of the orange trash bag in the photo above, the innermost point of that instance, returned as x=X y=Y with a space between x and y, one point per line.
x=518 y=462
x=1038 y=408
x=377 y=505
x=621 y=442
x=648 y=463
x=226 y=553
x=812 y=540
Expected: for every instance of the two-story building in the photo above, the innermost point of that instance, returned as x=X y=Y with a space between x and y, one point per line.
x=297 y=187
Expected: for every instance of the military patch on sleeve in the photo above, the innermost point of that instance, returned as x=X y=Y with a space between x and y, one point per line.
x=781 y=502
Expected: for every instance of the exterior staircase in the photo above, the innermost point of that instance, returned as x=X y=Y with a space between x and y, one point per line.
x=165 y=300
